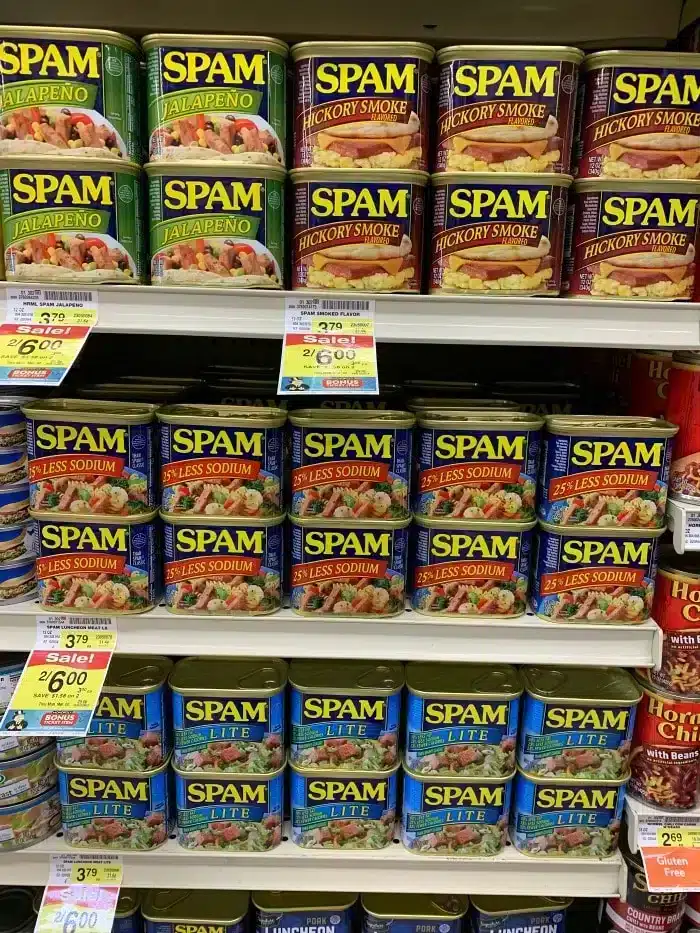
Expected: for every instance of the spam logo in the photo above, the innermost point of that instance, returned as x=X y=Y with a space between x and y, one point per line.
x=361 y=709
x=575 y=798
x=588 y=551
x=480 y=447
x=199 y=928
x=96 y=789
x=209 y=67
x=514 y=80
x=82 y=438
x=216 y=541
x=347 y=791
x=202 y=194
x=366 y=77
x=234 y=792
x=667 y=88
x=575 y=718
x=347 y=543
x=476 y=546
x=499 y=202
x=454 y=795
x=623 y=210
x=454 y=713
x=617 y=453
x=63 y=189
x=49 y=60
x=337 y=202
x=112 y=706
x=67 y=537
x=329 y=445
x=222 y=443
x=211 y=710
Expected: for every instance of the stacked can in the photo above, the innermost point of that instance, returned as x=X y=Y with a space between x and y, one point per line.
x=221 y=473
x=17 y=533
x=683 y=409
x=344 y=753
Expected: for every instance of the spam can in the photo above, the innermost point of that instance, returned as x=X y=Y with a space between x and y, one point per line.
x=17 y=542
x=229 y=714
x=127 y=917
x=13 y=424
x=294 y=911
x=90 y=457
x=111 y=809
x=130 y=728
x=584 y=574
x=221 y=461
x=343 y=809
x=575 y=724
x=14 y=504
x=18 y=580
x=345 y=714
x=477 y=465
x=413 y=913
x=350 y=465
x=470 y=569
x=231 y=812
x=222 y=566
x=24 y=824
x=98 y=565
x=567 y=816
x=462 y=718
x=454 y=815
x=174 y=911
x=13 y=465
x=24 y=778
x=605 y=470
x=504 y=914
x=353 y=569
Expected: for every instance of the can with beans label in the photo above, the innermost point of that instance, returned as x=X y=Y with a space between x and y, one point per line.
x=677 y=612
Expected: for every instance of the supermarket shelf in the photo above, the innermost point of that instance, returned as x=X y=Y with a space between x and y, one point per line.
x=639 y=813
x=684 y=522
x=291 y=868
x=409 y=637
x=409 y=318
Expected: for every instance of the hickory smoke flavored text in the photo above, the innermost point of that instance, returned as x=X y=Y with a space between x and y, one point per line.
x=498 y=233
x=507 y=109
x=361 y=104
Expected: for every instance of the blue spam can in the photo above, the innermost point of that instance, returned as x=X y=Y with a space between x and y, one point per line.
x=14 y=504
x=13 y=465
x=127 y=917
x=302 y=912
x=18 y=580
x=413 y=913
x=503 y=914
x=177 y=911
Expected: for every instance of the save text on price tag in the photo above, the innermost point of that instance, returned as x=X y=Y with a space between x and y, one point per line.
x=329 y=347
x=44 y=331
x=60 y=685
x=82 y=894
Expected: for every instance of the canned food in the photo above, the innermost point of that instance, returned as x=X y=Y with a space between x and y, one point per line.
x=665 y=758
x=114 y=810
x=171 y=911
x=16 y=910
x=293 y=911
x=462 y=718
x=228 y=714
x=350 y=465
x=91 y=457
x=413 y=913
x=345 y=714
x=69 y=94
x=638 y=117
x=13 y=425
x=577 y=722
x=24 y=778
x=648 y=378
x=222 y=566
x=99 y=565
x=13 y=465
x=130 y=728
x=216 y=98
x=455 y=816
x=87 y=217
x=342 y=809
x=17 y=543
x=499 y=914
x=541 y=398
x=506 y=108
x=479 y=465
x=18 y=745
x=498 y=234
x=676 y=611
x=221 y=460
x=470 y=569
x=585 y=575
x=251 y=804
x=216 y=225
x=127 y=917
x=684 y=409
x=18 y=581
x=24 y=824
x=605 y=470
x=14 y=504
x=349 y=569
x=358 y=230
x=549 y=813
x=361 y=104
x=633 y=240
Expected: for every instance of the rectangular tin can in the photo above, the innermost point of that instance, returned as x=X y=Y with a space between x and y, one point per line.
x=414 y=913
x=13 y=466
x=176 y=911
x=505 y=914
x=17 y=543
x=127 y=917
x=24 y=824
x=297 y=911
x=18 y=581
x=228 y=714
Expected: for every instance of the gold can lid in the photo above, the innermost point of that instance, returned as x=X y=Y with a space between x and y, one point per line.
x=337 y=176
x=594 y=531
x=339 y=677
x=128 y=903
x=82 y=410
x=632 y=188
x=484 y=418
x=229 y=676
x=415 y=906
x=503 y=905
x=231 y=170
x=225 y=415
x=71 y=34
x=277 y=902
x=463 y=681
x=467 y=179
x=611 y=425
x=202 y=40
x=586 y=685
x=371 y=49
x=474 y=525
x=572 y=780
x=633 y=59
x=511 y=53
x=178 y=906
x=136 y=673
x=134 y=776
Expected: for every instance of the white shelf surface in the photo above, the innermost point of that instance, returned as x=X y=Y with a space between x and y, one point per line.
x=291 y=868
x=638 y=812
x=409 y=637
x=684 y=523
x=408 y=318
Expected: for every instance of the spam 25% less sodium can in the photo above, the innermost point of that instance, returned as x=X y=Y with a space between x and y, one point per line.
x=177 y=911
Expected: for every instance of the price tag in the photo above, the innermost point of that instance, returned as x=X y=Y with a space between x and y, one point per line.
x=59 y=631
x=692 y=531
x=43 y=333
x=329 y=347
x=86 y=869
x=70 y=905
x=670 y=848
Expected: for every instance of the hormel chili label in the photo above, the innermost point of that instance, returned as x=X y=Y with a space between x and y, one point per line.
x=648 y=383
x=498 y=234
x=683 y=409
x=355 y=230
x=627 y=242
x=677 y=612
x=506 y=112
x=640 y=119
x=364 y=110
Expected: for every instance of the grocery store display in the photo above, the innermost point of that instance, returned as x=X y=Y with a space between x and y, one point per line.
x=682 y=407
x=676 y=611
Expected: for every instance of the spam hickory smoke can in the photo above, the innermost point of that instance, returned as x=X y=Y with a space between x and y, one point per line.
x=176 y=911
x=350 y=465
x=462 y=718
x=221 y=461
x=610 y=471
x=358 y=230
x=413 y=913
x=361 y=104
x=594 y=575
x=222 y=566
x=471 y=568
x=297 y=911
x=342 y=809
x=506 y=108
x=676 y=611
x=228 y=714
x=345 y=714
x=216 y=98
x=351 y=569
x=505 y=914
x=216 y=225
x=498 y=233
x=683 y=409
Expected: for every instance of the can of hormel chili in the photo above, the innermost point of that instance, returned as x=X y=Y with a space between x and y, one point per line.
x=648 y=382
x=676 y=611
x=683 y=408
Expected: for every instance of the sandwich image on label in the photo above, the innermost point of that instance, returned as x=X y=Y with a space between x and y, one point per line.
x=511 y=267
x=650 y=153
x=640 y=270
x=17 y=581
x=361 y=260
x=368 y=138
x=501 y=143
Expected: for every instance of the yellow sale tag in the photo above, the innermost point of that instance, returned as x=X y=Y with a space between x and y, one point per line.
x=678 y=836
x=97 y=873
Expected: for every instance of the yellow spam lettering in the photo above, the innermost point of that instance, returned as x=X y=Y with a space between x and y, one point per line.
x=468 y=546
x=339 y=708
x=215 y=541
x=477 y=714
x=332 y=446
x=57 y=61
x=576 y=551
x=76 y=537
x=472 y=447
x=450 y=795
x=670 y=88
x=180 y=194
x=116 y=707
x=215 y=792
x=562 y=717
x=356 y=791
x=198 y=928
x=226 y=710
x=477 y=80
x=218 y=443
x=57 y=188
x=617 y=453
x=572 y=798
x=348 y=543
x=352 y=202
x=197 y=66
x=490 y=202
x=625 y=210
x=90 y=788
x=368 y=77
x=81 y=437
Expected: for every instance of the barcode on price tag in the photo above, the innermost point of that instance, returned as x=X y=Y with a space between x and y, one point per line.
x=347 y=304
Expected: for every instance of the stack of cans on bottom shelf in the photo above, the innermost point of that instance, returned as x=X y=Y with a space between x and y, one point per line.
x=17 y=533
